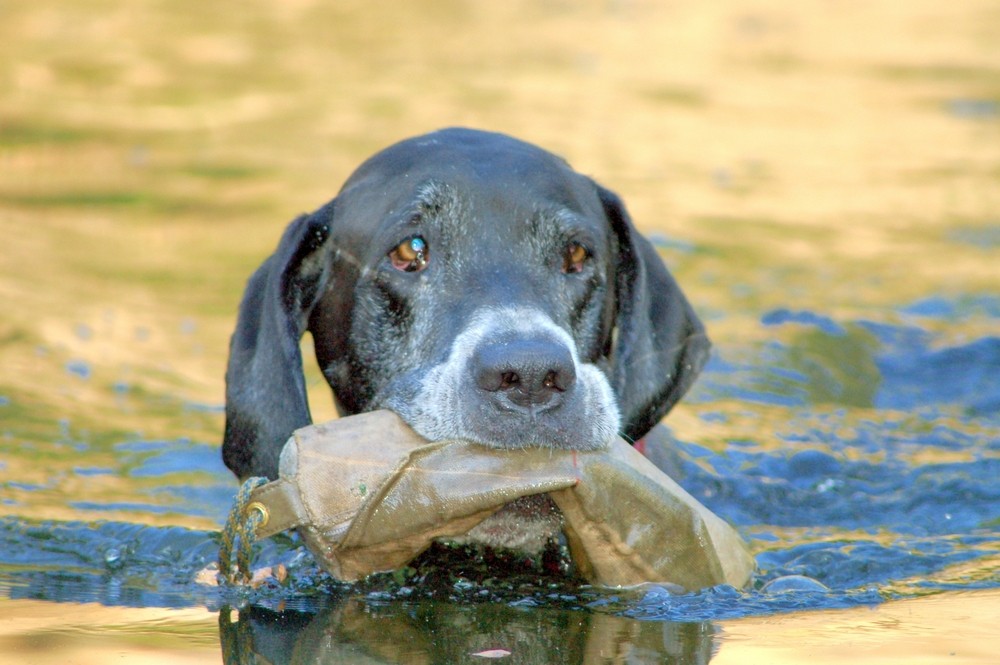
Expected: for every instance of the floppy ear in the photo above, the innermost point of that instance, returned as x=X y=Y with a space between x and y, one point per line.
x=660 y=345
x=265 y=388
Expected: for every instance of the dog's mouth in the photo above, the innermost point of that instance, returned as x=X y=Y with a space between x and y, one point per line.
x=526 y=525
x=511 y=379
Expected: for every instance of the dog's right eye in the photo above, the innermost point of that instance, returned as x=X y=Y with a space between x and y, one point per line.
x=411 y=255
x=574 y=257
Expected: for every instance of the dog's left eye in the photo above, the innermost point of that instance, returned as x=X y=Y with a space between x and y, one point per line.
x=411 y=255
x=574 y=257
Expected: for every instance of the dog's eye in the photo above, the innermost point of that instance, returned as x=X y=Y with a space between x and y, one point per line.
x=574 y=256
x=411 y=255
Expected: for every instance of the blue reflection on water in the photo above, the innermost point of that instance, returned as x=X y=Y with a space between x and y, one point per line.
x=897 y=367
x=917 y=376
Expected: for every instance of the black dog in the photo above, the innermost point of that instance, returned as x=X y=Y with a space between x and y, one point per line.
x=477 y=286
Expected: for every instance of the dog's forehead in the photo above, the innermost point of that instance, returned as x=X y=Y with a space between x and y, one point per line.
x=476 y=163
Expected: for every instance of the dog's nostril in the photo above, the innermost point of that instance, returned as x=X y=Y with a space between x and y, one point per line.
x=554 y=381
x=509 y=380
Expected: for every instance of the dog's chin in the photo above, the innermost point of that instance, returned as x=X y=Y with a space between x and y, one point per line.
x=526 y=525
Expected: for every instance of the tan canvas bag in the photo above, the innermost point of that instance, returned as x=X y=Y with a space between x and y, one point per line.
x=368 y=494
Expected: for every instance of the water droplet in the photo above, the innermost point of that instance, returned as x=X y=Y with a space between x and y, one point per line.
x=114 y=558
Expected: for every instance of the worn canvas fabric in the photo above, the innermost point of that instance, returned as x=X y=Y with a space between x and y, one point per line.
x=368 y=495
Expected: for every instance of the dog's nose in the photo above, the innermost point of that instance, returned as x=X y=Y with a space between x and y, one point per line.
x=525 y=373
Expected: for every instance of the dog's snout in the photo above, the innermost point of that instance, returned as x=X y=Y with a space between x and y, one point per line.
x=526 y=373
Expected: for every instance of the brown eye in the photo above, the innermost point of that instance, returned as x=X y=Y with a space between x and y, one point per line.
x=574 y=257
x=410 y=255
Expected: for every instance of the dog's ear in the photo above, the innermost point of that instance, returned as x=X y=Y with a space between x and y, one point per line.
x=659 y=345
x=265 y=387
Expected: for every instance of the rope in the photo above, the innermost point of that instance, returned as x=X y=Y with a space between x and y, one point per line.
x=240 y=533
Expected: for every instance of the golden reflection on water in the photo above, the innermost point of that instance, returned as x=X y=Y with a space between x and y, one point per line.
x=150 y=156
x=816 y=155
x=91 y=634
x=952 y=628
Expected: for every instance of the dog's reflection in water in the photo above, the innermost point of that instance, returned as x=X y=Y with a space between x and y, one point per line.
x=356 y=631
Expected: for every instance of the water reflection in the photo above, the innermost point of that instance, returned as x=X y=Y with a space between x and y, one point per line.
x=356 y=631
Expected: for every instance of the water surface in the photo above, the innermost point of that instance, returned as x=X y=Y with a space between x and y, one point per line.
x=821 y=178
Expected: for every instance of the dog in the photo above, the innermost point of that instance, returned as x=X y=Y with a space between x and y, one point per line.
x=480 y=288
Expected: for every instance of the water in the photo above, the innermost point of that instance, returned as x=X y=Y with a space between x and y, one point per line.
x=823 y=187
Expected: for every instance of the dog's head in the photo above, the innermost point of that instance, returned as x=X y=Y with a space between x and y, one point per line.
x=477 y=286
